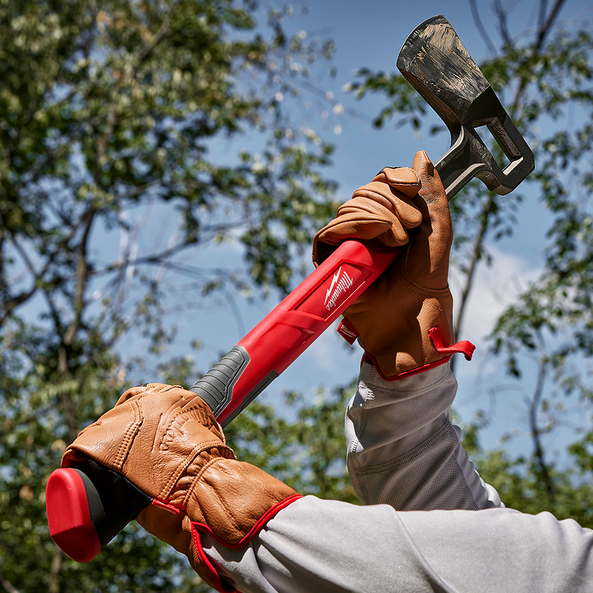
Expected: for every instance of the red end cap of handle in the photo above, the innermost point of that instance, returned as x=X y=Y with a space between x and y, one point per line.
x=68 y=515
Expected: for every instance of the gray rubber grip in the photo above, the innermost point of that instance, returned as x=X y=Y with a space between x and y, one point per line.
x=250 y=397
x=216 y=386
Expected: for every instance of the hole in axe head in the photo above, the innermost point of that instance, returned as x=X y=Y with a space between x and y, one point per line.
x=487 y=134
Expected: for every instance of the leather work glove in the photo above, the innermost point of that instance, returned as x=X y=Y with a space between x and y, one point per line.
x=404 y=319
x=382 y=209
x=165 y=441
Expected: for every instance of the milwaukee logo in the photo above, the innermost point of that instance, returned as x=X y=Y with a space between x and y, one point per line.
x=341 y=282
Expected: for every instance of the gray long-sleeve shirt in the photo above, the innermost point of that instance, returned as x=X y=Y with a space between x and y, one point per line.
x=406 y=461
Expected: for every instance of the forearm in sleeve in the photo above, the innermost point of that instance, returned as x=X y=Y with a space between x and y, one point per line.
x=403 y=449
x=329 y=546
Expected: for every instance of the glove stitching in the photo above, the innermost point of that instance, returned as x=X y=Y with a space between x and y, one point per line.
x=180 y=416
x=162 y=388
x=196 y=452
x=230 y=517
x=400 y=181
x=421 y=290
x=163 y=426
x=129 y=435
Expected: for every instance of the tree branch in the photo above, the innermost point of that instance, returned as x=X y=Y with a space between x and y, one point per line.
x=10 y=588
x=476 y=255
x=481 y=28
x=543 y=29
x=502 y=22
x=81 y=279
x=25 y=295
x=546 y=25
x=541 y=17
x=538 y=449
x=147 y=49
x=12 y=303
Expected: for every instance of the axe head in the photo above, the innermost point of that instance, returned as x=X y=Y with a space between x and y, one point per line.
x=438 y=66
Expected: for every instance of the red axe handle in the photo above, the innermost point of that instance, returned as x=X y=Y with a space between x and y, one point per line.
x=285 y=333
x=88 y=506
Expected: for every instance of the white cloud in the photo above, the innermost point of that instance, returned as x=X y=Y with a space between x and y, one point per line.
x=494 y=289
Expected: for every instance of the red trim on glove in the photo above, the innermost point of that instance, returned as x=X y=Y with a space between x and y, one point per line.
x=366 y=357
x=464 y=347
x=214 y=576
x=202 y=527
x=269 y=514
x=167 y=506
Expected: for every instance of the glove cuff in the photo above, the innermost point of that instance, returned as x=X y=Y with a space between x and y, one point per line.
x=463 y=347
x=207 y=568
x=366 y=357
x=257 y=527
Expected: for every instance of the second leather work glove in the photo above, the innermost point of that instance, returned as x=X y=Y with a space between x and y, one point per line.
x=405 y=319
x=165 y=441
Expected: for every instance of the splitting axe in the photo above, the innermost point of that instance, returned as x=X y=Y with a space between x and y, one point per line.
x=88 y=506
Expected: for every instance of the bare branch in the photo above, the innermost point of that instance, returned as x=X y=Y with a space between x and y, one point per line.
x=25 y=295
x=513 y=108
x=81 y=279
x=147 y=49
x=10 y=588
x=481 y=28
x=533 y=421
x=541 y=18
x=14 y=302
x=546 y=26
x=502 y=22
x=476 y=254
x=541 y=37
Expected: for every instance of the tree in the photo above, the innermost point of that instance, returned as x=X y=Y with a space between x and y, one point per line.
x=541 y=73
x=111 y=115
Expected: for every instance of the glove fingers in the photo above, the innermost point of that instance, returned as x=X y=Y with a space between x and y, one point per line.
x=157 y=418
x=144 y=390
x=428 y=261
x=370 y=211
x=432 y=187
x=433 y=195
x=394 y=201
x=326 y=240
x=365 y=223
x=402 y=179
x=382 y=209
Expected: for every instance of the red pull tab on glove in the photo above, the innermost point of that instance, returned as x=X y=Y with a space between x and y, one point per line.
x=464 y=347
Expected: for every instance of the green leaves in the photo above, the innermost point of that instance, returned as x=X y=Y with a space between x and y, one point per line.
x=121 y=130
x=402 y=97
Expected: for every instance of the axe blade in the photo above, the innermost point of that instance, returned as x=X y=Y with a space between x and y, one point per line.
x=438 y=66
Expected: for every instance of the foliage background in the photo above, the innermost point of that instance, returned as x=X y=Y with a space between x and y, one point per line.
x=165 y=162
